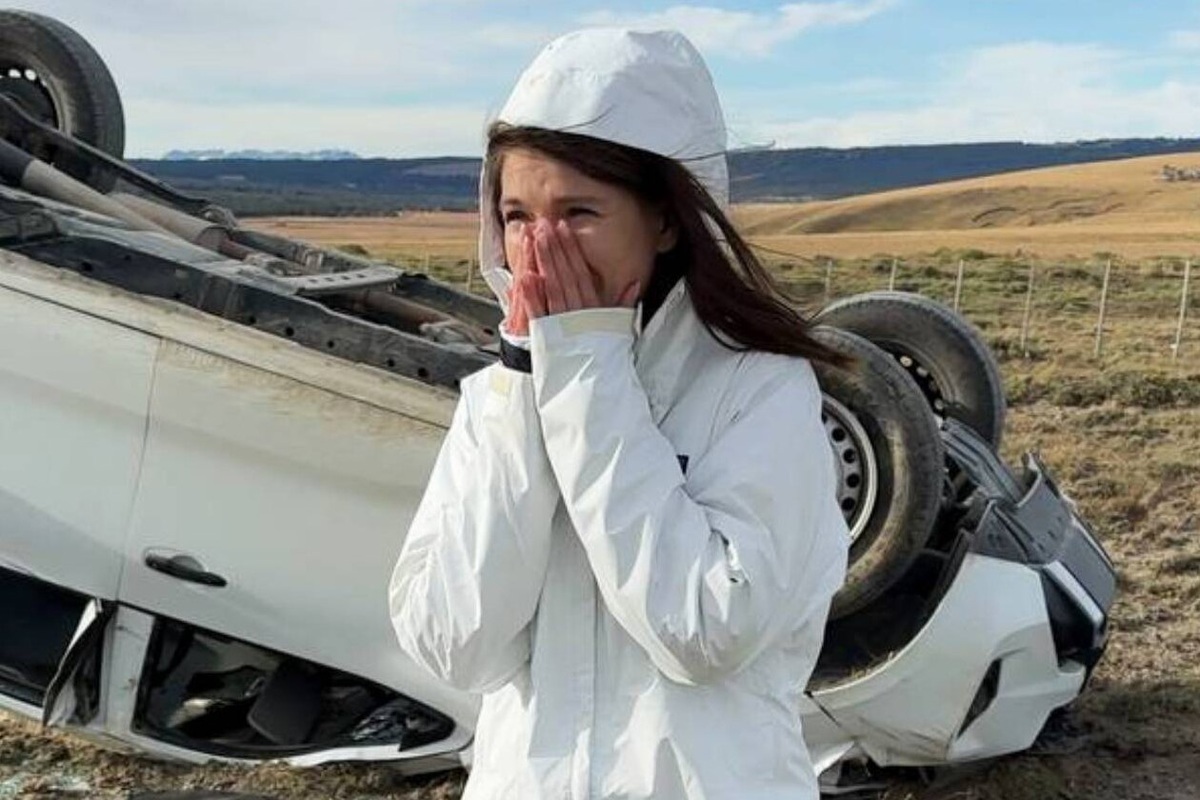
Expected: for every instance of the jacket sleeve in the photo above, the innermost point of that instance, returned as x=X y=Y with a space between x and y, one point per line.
x=707 y=572
x=468 y=578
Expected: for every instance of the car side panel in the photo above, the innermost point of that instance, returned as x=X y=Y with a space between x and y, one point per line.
x=73 y=403
x=298 y=497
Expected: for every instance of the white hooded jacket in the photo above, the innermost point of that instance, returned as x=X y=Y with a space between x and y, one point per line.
x=631 y=551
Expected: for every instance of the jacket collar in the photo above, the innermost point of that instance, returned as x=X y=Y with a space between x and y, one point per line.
x=664 y=344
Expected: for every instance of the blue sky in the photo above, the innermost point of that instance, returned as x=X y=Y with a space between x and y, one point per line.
x=420 y=77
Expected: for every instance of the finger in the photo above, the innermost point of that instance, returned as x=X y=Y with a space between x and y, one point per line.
x=518 y=316
x=572 y=293
x=519 y=263
x=551 y=273
x=515 y=319
x=534 y=294
x=530 y=261
x=582 y=279
x=516 y=264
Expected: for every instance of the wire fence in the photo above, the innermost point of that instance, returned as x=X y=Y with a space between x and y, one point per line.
x=1106 y=313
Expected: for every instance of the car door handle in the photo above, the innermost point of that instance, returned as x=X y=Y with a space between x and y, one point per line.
x=183 y=567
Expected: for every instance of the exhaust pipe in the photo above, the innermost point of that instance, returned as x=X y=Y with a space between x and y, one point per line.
x=207 y=234
x=37 y=177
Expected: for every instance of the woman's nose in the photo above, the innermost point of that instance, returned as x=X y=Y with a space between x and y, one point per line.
x=536 y=222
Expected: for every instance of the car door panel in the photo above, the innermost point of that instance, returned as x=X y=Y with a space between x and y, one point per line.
x=73 y=399
x=73 y=396
x=295 y=497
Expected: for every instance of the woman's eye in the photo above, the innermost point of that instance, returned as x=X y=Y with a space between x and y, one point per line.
x=514 y=216
x=580 y=211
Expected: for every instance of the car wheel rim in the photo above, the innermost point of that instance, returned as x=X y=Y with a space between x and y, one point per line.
x=26 y=88
x=857 y=469
x=925 y=380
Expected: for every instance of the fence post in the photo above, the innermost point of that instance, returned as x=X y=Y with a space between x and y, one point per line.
x=1028 y=312
x=1183 y=301
x=828 y=280
x=892 y=279
x=958 y=285
x=1103 y=309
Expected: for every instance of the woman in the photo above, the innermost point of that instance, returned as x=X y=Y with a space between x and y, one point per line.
x=630 y=539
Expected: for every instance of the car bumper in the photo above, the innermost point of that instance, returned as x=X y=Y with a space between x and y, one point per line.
x=1015 y=630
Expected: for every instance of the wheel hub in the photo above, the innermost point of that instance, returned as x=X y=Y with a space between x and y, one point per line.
x=857 y=469
x=925 y=381
x=25 y=87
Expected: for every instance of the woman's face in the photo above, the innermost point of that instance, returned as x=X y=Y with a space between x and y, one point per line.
x=618 y=233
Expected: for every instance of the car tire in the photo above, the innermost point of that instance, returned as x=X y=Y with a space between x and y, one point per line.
x=940 y=350
x=56 y=76
x=889 y=461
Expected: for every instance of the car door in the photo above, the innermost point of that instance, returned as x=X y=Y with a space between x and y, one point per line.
x=272 y=511
x=73 y=398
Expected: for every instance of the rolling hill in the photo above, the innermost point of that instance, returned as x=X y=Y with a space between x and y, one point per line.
x=1122 y=206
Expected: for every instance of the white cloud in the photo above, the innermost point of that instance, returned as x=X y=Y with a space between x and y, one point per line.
x=1184 y=40
x=312 y=50
x=155 y=126
x=743 y=33
x=376 y=76
x=528 y=37
x=1031 y=91
x=418 y=77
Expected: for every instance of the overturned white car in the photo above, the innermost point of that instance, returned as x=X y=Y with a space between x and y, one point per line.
x=212 y=441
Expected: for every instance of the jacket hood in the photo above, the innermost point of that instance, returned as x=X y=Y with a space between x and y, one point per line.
x=649 y=90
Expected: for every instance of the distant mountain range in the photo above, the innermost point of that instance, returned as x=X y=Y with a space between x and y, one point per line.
x=308 y=185
x=259 y=155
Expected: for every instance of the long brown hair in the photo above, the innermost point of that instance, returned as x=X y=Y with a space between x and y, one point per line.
x=741 y=306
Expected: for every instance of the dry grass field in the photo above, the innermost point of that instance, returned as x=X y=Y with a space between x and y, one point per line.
x=1122 y=207
x=411 y=236
x=1121 y=432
